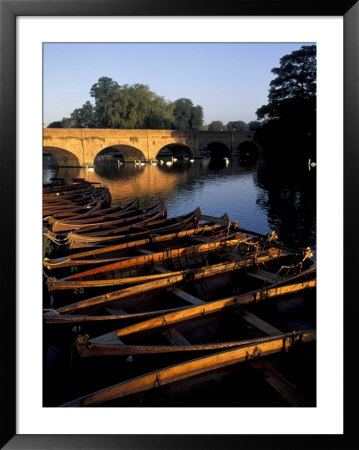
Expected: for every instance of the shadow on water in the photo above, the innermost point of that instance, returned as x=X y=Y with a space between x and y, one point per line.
x=288 y=195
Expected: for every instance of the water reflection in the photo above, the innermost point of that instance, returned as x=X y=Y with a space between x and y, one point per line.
x=289 y=197
x=260 y=197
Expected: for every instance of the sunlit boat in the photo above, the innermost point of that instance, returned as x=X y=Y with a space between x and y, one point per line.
x=137 y=231
x=179 y=381
x=238 y=275
x=76 y=262
x=210 y=326
x=150 y=266
x=70 y=221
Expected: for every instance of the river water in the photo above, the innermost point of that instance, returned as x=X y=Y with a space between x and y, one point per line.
x=260 y=197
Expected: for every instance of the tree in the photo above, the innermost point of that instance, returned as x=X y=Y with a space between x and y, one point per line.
x=83 y=117
x=217 y=125
x=56 y=124
x=160 y=114
x=196 y=121
x=106 y=94
x=132 y=106
x=182 y=113
x=291 y=108
x=66 y=122
x=295 y=83
x=239 y=126
x=254 y=125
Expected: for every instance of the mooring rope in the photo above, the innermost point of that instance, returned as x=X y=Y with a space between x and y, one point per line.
x=51 y=310
x=49 y=261
x=56 y=241
x=308 y=254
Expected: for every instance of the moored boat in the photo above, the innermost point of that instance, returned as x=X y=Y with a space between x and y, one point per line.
x=162 y=307
x=150 y=265
x=64 y=222
x=207 y=283
x=84 y=260
x=129 y=218
x=89 y=198
x=76 y=241
x=211 y=326
x=187 y=372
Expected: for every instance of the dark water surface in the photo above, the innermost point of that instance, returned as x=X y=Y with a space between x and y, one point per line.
x=261 y=198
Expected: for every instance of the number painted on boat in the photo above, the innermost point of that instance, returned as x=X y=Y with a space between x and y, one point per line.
x=79 y=291
x=73 y=269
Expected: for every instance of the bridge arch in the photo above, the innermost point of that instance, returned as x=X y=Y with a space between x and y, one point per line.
x=177 y=150
x=218 y=150
x=119 y=152
x=63 y=157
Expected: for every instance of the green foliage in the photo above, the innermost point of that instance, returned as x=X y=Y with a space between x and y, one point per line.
x=239 y=126
x=290 y=114
x=160 y=115
x=66 y=122
x=217 y=125
x=197 y=118
x=56 y=124
x=254 y=125
x=83 y=117
x=182 y=113
x=127 y=107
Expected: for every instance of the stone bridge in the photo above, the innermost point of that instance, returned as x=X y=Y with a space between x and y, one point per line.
x=78 y=147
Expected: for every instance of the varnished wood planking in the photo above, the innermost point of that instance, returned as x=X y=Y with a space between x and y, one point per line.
x=189 y=369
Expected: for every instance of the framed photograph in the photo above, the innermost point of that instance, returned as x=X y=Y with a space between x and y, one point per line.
x=209 y=59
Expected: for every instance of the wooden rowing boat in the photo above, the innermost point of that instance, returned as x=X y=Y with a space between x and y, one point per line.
x=96 y=217
x=216 y=325
x=73 y=263
x=69 y=197
x=75 y=241
x=112 y=319
x=78 y=201
x=183 y=376
x=152 y=291
x=59 y=185
x=121 y=224
x=207 y=283
x=150 y=266
x=82 y=207
x=69 y=221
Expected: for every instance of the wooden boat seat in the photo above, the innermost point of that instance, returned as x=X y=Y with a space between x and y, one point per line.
x=278 y=382
x=212 y=219
x=259 y=323
x=203 y=239
x=264 y=275
x=144 y=251
x=115 y=311
x=187 y=297
x=174 y=337
x=274 y=378
x=108 y=338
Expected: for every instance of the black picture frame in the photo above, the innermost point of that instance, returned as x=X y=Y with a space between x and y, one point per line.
x=9 y=10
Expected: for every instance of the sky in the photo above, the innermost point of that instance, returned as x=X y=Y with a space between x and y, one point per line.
x=229 y=80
